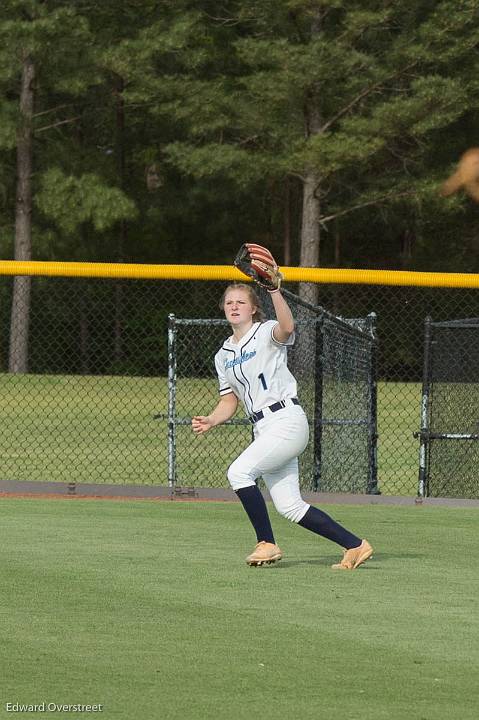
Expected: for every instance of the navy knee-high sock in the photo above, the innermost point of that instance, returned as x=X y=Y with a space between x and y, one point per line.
x=320 y=523
x=255 y=506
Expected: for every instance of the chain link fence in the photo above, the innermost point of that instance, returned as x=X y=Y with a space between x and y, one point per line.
x=449 y=457
x=89 y=403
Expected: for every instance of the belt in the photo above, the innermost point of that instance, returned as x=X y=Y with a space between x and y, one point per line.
x=255 y=417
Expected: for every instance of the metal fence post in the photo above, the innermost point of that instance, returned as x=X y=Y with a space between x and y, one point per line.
x=318 y=403
x=424 y=432
x=372 y=488
x=171 y=400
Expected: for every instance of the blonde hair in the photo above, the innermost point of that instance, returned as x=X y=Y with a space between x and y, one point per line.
x=253 y=297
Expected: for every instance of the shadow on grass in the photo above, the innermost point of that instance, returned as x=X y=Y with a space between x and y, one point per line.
x=327 y=561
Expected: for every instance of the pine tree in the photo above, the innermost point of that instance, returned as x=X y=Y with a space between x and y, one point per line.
x=47 y=64
x=344 y=97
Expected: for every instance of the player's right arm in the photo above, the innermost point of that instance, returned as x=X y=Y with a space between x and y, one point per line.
x=225 y=410
x=285 y=327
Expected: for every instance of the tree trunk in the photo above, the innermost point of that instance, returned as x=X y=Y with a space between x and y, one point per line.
x=122 y=232
x=307 y=341
x=20 y=314
x=335 y=308
x=337 y=246
x=310 y=237
x=310 y=229
x=287 y=223
x=306 y=344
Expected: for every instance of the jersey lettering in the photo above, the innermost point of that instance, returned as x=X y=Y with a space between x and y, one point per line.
x=263 y=381
x=239 y=360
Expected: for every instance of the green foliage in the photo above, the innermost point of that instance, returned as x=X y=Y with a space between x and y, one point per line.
x=346 y=70
x=178 y=41
x=433 y=102
x=245 y=98
x=214 y=159
x=71 y=201
x=332 y=151
x=8 y=125
x=57 y=39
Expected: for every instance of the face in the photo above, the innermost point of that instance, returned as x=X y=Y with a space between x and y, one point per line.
x=238 y=307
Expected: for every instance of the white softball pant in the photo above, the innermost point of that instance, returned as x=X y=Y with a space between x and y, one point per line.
x=280 y=438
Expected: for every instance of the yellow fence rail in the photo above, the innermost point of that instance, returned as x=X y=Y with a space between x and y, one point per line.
x=228 y=272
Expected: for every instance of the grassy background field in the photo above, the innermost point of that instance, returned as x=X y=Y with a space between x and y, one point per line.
x=149 y=609
x=103 y=429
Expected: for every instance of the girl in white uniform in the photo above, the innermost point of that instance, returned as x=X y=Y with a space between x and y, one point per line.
x=252 y=368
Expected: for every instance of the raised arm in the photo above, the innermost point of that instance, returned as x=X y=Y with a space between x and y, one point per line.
x=225 y=410
x=285 y=326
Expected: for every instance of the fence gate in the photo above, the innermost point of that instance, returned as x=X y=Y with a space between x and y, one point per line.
x=449 y=435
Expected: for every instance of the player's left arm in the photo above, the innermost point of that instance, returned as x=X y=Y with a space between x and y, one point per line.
x=285 y=327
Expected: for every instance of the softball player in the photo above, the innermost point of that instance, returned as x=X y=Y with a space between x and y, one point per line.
x=252 y=368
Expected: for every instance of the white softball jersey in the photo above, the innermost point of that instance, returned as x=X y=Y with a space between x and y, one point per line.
x=255 y=369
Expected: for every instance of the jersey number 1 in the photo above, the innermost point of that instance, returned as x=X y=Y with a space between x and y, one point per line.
x=263 y=381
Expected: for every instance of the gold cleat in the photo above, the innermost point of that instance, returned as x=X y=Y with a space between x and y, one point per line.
x=265 y=553
x=354 y=557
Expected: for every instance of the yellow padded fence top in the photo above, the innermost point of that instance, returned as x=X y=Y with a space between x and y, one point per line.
x=230 y=273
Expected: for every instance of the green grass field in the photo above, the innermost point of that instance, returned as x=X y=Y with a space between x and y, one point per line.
x=103 y=430
x=149 y=609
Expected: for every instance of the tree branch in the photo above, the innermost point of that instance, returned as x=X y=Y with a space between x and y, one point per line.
x=54 y=125
x=296 y=175
x=363 y=94
x=377 y=201
x=46 y=112
x=229 y=21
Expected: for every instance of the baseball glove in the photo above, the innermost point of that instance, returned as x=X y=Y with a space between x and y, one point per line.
x=256 y=262
x=466 y=176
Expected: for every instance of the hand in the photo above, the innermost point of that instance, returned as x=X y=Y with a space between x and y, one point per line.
x=265 y=267
x=257 y=263
x=201 y=424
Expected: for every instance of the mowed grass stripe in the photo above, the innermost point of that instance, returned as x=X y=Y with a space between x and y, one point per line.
x=149 y=609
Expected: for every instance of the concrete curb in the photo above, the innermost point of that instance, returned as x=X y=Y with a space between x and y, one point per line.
x=162 y=492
